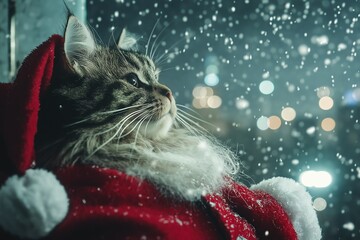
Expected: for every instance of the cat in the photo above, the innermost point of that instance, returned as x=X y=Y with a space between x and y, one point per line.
x=109 y=109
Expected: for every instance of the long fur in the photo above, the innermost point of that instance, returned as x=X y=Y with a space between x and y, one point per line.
x=112 y=112
x=181 y=164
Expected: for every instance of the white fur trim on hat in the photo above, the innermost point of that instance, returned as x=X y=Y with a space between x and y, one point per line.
x=33 y=204
x=297 y=203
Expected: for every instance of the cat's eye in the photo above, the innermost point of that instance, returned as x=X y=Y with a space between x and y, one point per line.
x=133 y=79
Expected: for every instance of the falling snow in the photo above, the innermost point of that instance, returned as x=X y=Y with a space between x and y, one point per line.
x=278 y=79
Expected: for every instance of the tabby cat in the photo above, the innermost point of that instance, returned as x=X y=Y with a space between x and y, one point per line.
x=110 y=110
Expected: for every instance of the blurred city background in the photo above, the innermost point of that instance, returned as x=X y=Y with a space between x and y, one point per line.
x=278 y=81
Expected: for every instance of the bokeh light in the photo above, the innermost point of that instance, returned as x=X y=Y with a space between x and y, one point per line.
x=214 y=101
x=262 y=123
x=310 y=130
x=317 y=179
x=211 y=79
x=288 y=114
x=202 y=92
x=242 y=103
x=274 y=122
x=326 y=103
x=349 y=226
x=266 y=87
x=320 y=40
x=303 y=50
x=328 y=124
x=319 y=204
x=204 y=98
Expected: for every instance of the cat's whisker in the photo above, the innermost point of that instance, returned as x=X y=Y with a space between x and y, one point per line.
x=121 y=53
x=167 y=69
x=120 y=136
x=163 y=62
x=129 y=132
x=78 y=122
x=163 y=58
x=192 y=122
x=144 y=113
x=119 y=50
x=152 y=50
x=148 y=121
x=168 y=51
x=188 y=108
x=190 y=128
x=147 y=124
x=94 y=32
x=189 y=120
x=139 y=126
x=155 y=50
x=101 y=113
x=184 y=122
x=196 y=118
x=122 y=109
x=113 y=136
x=120 y=122
x=176 y=124
x=150 y=36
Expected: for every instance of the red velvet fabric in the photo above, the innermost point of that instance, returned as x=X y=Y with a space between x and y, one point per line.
x=107 y=204
x=20 y=103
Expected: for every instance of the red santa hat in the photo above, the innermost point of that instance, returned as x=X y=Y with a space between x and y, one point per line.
x=33 y=204
x=87 y=202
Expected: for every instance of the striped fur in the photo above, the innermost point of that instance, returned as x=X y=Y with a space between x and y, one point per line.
x=98 y=114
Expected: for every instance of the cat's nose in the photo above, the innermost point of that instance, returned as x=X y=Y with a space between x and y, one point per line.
x=168 y=95
x=165 y=92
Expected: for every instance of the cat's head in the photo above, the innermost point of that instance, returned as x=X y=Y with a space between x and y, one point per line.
x=114 y=90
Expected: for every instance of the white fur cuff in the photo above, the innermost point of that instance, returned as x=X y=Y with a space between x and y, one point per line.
x=33 y=204
x=296 y=201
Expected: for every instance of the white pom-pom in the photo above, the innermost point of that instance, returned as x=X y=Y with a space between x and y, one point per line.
x=297 y=203
x=32 y=205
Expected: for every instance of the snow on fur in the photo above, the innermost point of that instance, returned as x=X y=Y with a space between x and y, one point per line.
x=297 y=203
x=185 y=165
x=180 y=164
x=32 y=205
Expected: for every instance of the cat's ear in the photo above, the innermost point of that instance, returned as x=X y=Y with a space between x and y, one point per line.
x=79 y=43
x=127 y=40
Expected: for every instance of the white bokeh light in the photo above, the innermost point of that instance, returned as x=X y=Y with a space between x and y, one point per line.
x=262 y=123
x=211 y=79
x=317 y=179
x=319 y=204
x=288 y=114
x=266 y=87
x=303 y=50
x=242 y=103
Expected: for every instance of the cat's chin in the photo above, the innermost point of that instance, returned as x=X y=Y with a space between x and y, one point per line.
x=158 y=129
